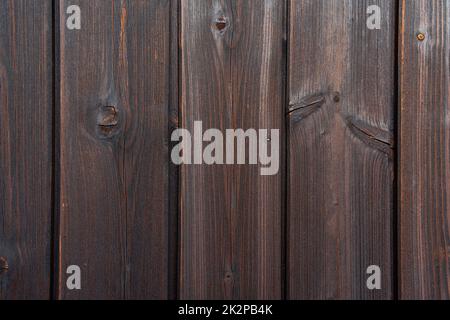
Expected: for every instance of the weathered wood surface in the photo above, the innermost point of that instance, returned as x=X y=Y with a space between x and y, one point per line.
x=174 y=170
x=341 y=158
x=25 y=148
x=232 y=76
x=424 y=150
x=142 y=228
x=114 y=211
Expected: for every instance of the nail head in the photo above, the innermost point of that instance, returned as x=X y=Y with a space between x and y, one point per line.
x=421 y=36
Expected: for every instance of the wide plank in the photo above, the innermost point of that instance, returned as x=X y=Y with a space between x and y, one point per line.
x=25 y=148
x=341 y=158
x=424 y=222
x=114 y=201
x=232 y=77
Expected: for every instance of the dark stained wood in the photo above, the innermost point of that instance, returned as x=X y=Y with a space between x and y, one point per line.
x=424 y=222
x=25 y=148
x=232 y=69
x=341 y=112
x=173 y=168
x=142 y=228
x=114 y=212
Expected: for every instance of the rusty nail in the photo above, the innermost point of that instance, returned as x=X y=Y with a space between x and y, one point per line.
x=420 y=36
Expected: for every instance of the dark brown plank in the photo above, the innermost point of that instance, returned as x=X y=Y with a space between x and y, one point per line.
x=173 y=168
x=114 y=149
x=25 y=148
x=232 y=66
x=341 y=80
x=424 y=153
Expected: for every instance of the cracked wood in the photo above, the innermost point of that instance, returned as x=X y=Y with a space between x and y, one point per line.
x=340 y=187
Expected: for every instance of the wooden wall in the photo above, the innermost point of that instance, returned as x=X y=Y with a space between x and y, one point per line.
x=86 y=176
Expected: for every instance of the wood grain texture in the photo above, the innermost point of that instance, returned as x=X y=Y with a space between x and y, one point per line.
x=424 y=150
x=114 y=211
x=25 y=148
x=173 y=168
x=341 y=115
x=232 y=69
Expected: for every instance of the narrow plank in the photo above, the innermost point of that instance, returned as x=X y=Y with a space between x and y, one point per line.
x=173 y=168
x=425 y=150
x=114 y=208
x=341 y=112
x=25 y=148
x=232 y=76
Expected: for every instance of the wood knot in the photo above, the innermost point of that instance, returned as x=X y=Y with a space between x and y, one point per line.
x=107 y=120
x=336 y=97
x=221 y=24
x=228 y=275
x=3 y=265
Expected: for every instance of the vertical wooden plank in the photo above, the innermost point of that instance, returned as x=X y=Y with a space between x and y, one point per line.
x=25 y=148
x=174 y=172
x=114 y=149
x=341 y=80
x=232 y=64
x=424 y=150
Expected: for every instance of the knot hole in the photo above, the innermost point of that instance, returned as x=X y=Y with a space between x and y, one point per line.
x=107 y=120
x=3 y=265
x=221 y=24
